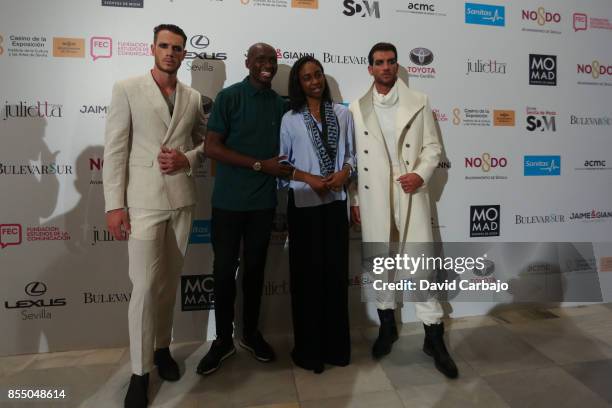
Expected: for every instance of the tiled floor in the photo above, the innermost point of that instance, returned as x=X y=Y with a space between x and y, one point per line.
x=536 y=357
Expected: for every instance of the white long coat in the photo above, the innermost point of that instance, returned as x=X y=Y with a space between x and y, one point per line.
x=419 y=152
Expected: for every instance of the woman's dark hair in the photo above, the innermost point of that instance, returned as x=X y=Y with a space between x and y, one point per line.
x=297 y=97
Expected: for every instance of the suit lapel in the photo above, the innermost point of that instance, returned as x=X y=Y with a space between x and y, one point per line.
x=156 y=99
x=180 y=106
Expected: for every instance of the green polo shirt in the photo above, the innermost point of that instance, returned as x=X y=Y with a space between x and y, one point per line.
x=249 y=118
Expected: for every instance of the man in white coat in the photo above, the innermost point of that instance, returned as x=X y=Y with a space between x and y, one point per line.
x=398 y=149
x=154 y=133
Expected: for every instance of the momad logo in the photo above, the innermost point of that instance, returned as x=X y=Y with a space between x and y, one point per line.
x=485 y=14
x=197 y=292
x=10 y=234
x=362 y=8
x=484 y=220
x=542 y=69
x=542 y=166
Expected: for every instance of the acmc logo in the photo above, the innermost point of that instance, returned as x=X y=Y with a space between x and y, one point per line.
x=35 y=289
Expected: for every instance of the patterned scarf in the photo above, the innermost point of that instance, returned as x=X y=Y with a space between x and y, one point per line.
x=325 y=142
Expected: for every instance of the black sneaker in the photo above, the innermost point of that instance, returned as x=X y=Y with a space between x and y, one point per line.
x=136 y=396
x=219 y=351
x=260 y=349
x=166 y=366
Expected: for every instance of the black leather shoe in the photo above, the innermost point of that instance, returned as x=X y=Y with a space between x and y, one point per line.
x=260 y=349
x=166 y=366
x=219 y=351
x=434 y=347
x=387 y=334
x=136 y=396
x=315 y=366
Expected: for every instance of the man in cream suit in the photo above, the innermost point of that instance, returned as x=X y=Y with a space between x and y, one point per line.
x=398 y=149
x=154 y=134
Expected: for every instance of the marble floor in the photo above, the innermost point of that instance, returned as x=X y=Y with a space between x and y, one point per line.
x=537 y=357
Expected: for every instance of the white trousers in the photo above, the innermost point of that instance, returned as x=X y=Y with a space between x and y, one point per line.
x=429 y=311
x=156 y=250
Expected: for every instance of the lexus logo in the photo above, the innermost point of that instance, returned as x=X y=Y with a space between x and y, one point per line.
x=199 y=41
x=421 y=56
x=35 y=289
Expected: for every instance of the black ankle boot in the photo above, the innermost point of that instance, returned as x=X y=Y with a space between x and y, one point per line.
x=434 y=347
x=166 y=366
x=387 y=333
x=136 y=396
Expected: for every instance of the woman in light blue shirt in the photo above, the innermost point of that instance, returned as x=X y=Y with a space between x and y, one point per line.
x=317 y=138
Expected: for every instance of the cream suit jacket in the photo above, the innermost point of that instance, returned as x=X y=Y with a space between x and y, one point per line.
x=138 y=124
x=418 y=150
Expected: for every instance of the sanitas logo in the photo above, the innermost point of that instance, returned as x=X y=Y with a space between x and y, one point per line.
x=542 y=69
x=39 y=109
x=542 y=166
x=362 y=8
x=200 y=232
x=485 y=14
x=484 y=220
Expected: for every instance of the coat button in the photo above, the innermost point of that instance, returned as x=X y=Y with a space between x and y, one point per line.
x=367 y=188
x=407 y=144
x=365 y=151
x=365 y=169
x=365 y=132
x=407 y=163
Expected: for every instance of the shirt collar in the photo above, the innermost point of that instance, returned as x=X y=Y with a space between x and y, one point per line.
x=252 y=90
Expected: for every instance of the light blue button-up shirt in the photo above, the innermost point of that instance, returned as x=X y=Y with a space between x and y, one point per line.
x=296 y=144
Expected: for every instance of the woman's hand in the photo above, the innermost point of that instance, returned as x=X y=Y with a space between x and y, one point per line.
x=337 y=180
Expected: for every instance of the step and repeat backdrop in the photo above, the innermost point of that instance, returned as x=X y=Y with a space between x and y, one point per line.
x=521 y=90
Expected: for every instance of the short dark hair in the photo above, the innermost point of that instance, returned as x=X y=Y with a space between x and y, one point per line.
x=172 y=28
x=381 y=46
x=297 y=97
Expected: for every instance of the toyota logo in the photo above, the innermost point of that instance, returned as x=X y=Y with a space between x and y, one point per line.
x=35 y=289
x=421 y=56
x=199 y=41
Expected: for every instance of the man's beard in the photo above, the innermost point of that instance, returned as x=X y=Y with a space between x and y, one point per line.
x=167 y=71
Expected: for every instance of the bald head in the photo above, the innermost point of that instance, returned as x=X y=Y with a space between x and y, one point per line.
x=262 y=64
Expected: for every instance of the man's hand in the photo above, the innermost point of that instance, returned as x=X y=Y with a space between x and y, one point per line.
x=274 y=167
x=410 y=182
x=336 y=181
x=355 y=215
x=171 y=160
x=118 y=222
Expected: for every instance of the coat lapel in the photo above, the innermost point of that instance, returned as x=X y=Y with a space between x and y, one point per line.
x=180 y=106
x=407 y=109
x=156 y=99
x=366 y=105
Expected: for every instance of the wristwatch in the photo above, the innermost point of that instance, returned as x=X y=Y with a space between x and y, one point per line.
x=257 y=166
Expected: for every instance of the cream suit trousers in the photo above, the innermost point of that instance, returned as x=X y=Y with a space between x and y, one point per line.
x=156 y=250
x=430 y=311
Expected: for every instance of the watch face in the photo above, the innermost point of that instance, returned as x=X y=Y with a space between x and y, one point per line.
x=257 y=166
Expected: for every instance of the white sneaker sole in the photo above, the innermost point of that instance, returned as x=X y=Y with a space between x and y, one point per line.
x=212 y=370
x=249 y=348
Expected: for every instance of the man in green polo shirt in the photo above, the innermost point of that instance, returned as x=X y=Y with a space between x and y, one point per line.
x=243 y=137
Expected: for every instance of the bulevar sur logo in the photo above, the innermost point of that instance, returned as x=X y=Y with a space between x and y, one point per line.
x=35 y=289
x=100 y=47
x=10 y=234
